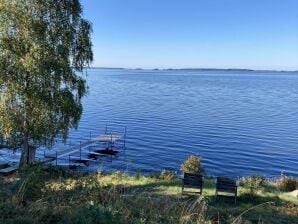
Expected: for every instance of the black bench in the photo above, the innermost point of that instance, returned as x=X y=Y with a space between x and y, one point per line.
x=226 y=185
x=194 y=181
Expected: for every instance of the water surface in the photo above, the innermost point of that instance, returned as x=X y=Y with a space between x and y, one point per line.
x=241 y=123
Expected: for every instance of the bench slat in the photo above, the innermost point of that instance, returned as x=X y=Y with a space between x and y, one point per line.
x=226 y=185
x=192 y=181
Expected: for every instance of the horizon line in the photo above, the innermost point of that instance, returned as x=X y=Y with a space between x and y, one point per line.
x=202 y=69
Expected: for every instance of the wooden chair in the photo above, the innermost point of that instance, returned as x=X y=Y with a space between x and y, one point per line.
x=194 y=181
x=226 y=185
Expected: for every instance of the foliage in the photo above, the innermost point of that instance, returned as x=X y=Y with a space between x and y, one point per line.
x=13 y=213
x=167 y=175
x=253 y=183
x=117 y=175
x=93 y=214
x=288 y=184
x=63 y=196
x=31 y=183
x=153 y=175
x=43 y=44
x=138 y=174
x=192 y=165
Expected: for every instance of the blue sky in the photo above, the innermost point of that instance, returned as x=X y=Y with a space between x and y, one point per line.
x=255 y=34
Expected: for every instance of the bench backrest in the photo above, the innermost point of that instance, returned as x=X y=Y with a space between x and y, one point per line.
x=192 y=180
x=226 y=185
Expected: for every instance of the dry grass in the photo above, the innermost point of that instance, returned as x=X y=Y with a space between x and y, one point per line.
x=54 y=196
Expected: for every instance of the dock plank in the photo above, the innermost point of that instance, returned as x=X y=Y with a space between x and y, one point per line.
x=9 y=170
x=75 y=148
x=108 y=138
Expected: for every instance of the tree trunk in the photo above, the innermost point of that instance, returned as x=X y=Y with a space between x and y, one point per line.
x=32 y=151
x=28 y=152
x=23 y=160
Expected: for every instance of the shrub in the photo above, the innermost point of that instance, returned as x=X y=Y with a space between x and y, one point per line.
x=167 y=175
x=93 y=214
x=32 y=181
x=99 y=173
x=153 y=175
x=288 y=184
x=138 y=174
x=11 y=212
x=117 y=175
x=192 y=165
x=254 y=183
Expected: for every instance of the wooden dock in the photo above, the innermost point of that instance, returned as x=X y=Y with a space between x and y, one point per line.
x=109 y=139
x=94 y=155
x=61 y=153
x=9 y=170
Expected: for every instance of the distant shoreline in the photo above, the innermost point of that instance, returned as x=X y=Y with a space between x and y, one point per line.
x=194 y=69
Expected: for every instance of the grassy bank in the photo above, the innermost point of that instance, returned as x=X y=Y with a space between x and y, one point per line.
x=51 y=195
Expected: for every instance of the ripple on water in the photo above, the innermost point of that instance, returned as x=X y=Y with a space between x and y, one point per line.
x=241 y=123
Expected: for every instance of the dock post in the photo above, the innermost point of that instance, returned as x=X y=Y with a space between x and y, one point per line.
x=111 y=140
x=80 y=150
x=56 y=158
x=69 y=160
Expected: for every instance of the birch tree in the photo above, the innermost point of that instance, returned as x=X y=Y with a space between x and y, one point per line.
x=44 y=46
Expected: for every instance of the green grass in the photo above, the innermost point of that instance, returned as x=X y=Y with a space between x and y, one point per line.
x=277 y=206
x=51 y=195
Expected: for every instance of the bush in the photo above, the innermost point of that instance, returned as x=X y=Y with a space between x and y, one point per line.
x=93 y=214
x=99 y=173
x=254 y=183
x=167 y=175
x=117 y=175
x=192 y=165
x=32 y=181
x=11 y=212
x=138 y=174
x=288 y=184
x=153 y=175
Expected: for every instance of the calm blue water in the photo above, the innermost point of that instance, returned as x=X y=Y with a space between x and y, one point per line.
x=241 y=123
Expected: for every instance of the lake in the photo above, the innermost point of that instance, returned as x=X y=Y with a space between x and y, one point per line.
x=240 y=122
